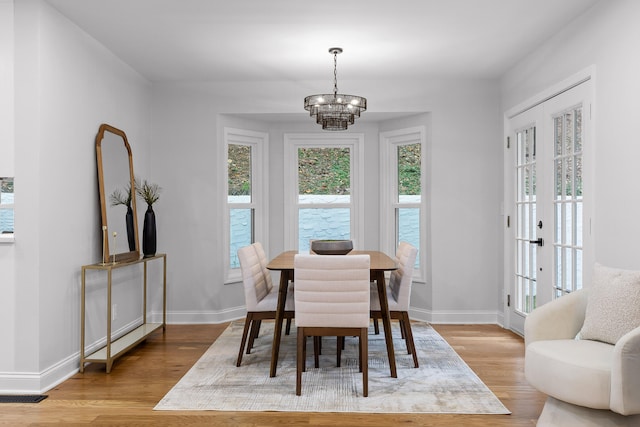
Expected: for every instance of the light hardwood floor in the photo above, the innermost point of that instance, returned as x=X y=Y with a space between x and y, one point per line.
x=143 y=376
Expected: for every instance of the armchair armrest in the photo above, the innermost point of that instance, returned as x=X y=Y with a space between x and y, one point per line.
x=561 y=318
x=625 y=374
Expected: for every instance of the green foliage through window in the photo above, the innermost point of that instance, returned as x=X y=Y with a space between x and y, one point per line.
x=239 y=170
x=409 y=162
x=324 y=171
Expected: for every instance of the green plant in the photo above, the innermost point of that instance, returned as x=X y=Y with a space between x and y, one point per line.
x=120 y=198
x=149 y=192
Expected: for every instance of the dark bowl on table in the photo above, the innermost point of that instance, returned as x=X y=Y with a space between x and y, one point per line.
x=331 y=247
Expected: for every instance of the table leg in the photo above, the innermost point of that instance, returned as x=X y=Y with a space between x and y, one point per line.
x=277 y=331
x=386 y=321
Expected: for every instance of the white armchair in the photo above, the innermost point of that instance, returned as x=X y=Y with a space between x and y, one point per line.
x=589 y=382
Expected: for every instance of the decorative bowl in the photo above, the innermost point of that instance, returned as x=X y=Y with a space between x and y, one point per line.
x=332 y=247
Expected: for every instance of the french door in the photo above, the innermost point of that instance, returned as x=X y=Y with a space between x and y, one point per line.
x=548 y=244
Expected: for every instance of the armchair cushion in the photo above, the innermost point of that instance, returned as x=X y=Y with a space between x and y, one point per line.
x=574 y=371
x=612 y=305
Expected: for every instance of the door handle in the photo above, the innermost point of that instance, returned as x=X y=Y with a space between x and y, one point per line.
x=538 y=241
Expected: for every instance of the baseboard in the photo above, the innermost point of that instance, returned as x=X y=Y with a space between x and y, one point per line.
x=203 y=317
x=463 y=317
x=19 y=383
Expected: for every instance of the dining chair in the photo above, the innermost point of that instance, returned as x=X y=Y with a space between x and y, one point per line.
x=267 y=275
x=399 y=295
x=332 y=299
x=261 y=299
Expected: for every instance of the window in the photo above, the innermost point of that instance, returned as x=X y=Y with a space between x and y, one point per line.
x=245 y=190
x=322 y=188
x=402 y=166
x=6 y=209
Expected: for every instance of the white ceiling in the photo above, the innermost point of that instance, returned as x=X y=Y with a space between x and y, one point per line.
x=288 y=40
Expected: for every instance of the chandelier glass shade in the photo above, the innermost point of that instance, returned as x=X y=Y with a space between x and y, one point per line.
x=335 y=111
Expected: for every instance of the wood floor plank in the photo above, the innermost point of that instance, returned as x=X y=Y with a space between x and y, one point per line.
x=143 y=376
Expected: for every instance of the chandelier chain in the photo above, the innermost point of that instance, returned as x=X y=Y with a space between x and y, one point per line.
x=335 y=74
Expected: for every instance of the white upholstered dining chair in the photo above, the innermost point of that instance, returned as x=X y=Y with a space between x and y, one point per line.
x=399 y=295
x=332 y=299
x=260 y=296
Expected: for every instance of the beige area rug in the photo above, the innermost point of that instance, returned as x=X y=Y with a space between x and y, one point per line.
x=443 y=383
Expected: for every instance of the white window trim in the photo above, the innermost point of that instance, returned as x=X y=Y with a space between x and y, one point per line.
x=259 y=143
x=389 y=141
x=353 y=141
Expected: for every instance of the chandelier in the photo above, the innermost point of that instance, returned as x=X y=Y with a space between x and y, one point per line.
x=335 y=111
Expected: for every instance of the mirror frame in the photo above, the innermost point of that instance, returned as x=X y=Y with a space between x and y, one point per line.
x=107 y=256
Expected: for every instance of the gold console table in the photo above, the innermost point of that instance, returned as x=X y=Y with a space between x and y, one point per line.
x=115 y=348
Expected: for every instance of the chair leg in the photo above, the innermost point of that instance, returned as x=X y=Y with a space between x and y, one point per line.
x=376 y=327
x=364 y=360
x=300 y=356
x=339 y=347
x=287 y=330
x=316 y=351
x=360 y=353
x=304 y=352
x=245 y=332
x=403 y=333
x=411 y=346
x=255 y=329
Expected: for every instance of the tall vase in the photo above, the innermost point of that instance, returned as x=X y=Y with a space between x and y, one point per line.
x=131 y=238
x=149 y=233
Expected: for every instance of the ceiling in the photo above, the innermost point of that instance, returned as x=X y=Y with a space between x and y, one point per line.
x=288 y=40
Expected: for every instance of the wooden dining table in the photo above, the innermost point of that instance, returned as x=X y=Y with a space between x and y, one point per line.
x=379 y=263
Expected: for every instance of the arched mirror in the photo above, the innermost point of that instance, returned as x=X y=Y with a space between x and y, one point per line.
x=117 y=196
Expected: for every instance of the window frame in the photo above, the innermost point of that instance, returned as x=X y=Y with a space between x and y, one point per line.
x=389 y=200
x=294 y=141
x=259 y=143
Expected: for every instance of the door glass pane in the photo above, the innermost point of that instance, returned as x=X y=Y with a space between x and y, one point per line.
x=568 y=174
x=239 y=173
x=409 y=173
x=578 y=272
x=569 y=232
x=578 y=224
x=558 y=179
x=241 y=233
x=324 y=175
x=568 y=272
x=578 y=175
x=323 y=224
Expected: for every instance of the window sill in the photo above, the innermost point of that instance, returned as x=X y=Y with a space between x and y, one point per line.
x=7 y=238
x=233 y=276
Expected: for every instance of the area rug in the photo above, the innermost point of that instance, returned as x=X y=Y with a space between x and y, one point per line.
x=442 y=384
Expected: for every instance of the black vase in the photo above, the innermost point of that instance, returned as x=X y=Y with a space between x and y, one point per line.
x=131 y=237
x=149 y=233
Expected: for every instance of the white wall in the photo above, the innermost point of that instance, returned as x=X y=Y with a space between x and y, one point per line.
x=606 y=37
x=465 y=182
x=66 y=85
